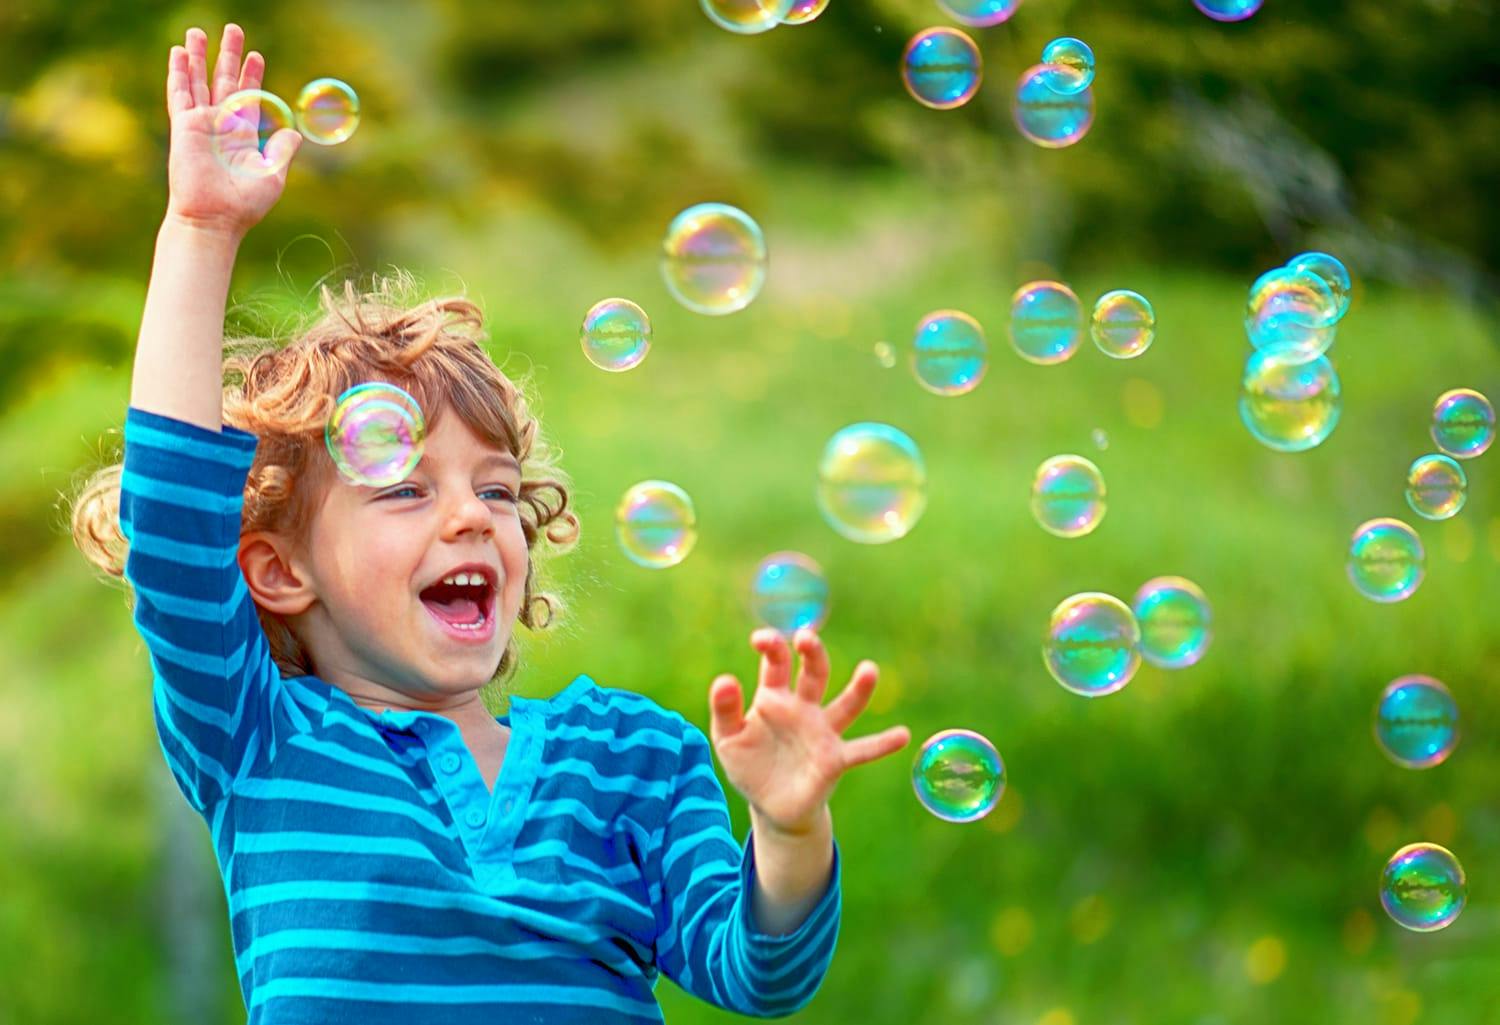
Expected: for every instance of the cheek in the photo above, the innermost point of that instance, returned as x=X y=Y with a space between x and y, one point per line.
x=514 y=558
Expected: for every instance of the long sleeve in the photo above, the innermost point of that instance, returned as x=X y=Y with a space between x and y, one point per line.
x=182 y=491
x=707 y=941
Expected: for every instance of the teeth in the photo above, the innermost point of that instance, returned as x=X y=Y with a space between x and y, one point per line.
x=465 y=579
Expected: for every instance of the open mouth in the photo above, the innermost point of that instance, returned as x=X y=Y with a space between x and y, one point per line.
x=464 y=608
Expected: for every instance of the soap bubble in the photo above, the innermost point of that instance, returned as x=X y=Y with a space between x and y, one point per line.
x=616 y=334
x=1175 y=622
x=1067 y=496
x=244 y=126
x=804 y=11
x=1046 y=322
x=327 y=111
x=949 y=354
x=789 y=592
x=1463 y=423
x=1423 y=887
x=1290 y=407
x=980 y=13
x=1333 y=274
x=1075 y=54
x=1416 y=722
x=1124 y=324
x=1386 y=560
x=942 y=68
x=1291 y=314
x=656 y=524
x=872 y=483
x=1436 y=487
x=1228 y=10
x=714 y=258
x=1093 y=644
x=747 y=17
x=375 y=435
x=885 y=355
x=958 y=776
x=1050 y=107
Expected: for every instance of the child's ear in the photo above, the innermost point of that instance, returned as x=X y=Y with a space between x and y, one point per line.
x=272 y=576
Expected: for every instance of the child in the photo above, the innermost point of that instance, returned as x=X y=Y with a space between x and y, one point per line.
x=390 y=851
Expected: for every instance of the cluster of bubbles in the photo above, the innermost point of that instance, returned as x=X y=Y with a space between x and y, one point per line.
x=1054 y=102
x=246 y=123
x=1095 y=642
x=750 y=17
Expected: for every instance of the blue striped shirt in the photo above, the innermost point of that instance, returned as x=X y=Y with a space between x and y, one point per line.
x=370 y=873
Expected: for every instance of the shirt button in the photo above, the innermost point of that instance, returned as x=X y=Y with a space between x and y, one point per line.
x=450 y=762
x=475 y=818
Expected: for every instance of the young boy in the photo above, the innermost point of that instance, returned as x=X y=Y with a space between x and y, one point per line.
x=391 y=852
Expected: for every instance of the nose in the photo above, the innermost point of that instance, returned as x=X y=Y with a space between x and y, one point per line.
x=470 y=514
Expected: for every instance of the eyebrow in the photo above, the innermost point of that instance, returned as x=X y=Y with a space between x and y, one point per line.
x=494 y=458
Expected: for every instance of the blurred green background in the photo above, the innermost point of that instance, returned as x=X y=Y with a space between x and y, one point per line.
x=1202 y=847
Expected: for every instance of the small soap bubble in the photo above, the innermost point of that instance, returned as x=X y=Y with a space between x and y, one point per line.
x=1093 y=644
x=327 y=111
x=804 y=11
x=1067 y=496
x=942 y=68
x=375 y=434
x=1463 y=423
x=714 y=258
x=789 y=592
x=980 y=13
x=1333 y=273
x=958 y=776
x=1075 y=54
x=656 y=524
x=1100 y=439
x=1289 y=407
x=747 y=17
x=1228 y=10
x=1124 y=324
x=885 y=355
x=1416 y=722
x=243 y=126
x=1291 y=314
x=1436 y=487
x=872 y=483
x=616 y=335
x=1175 y=622
x=1050 y=107
x=1046 y=322
x=1423 y=887
x=949 y=353
x=1386 y=560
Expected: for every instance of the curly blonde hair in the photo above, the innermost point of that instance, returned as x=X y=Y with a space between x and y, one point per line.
x=284 y=395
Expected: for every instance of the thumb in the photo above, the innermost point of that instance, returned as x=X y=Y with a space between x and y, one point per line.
x=282 y=147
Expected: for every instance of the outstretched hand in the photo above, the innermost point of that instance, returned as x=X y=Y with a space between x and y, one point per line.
x=786 y=754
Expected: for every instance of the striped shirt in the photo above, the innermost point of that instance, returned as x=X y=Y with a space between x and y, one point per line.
x=370 y=873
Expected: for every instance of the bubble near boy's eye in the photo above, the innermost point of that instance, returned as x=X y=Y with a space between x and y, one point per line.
x=980 y=13
x=1463 y=423
x=942 y=68
x=1092 y=645
x=747 y=17
x=804 y=11
x=1289 y=406
x=1052 y=107
x=1174 y=618
x=949 y=353
x=789 y=592
x=242 y=129
x=616 y=335
x=1386 y=560
x=375 y=434
x=872 y=483
x=1124 y=324
x=1423 y=887
x=1436 y=487
x=1046 y=322
x=958 y=775
x=1228 y=10
x=1077 y=56
x=327 y=111
x=1067 y=496
x=1416 y=722
x=656 y=524
x=714 y=258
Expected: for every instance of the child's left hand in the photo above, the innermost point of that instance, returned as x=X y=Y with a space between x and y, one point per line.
x=786 y=754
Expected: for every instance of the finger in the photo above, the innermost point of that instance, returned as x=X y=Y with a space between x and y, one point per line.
x=851 y=701
x=812 y=674
x=197 y=48
x=877 y=745
x=281 y=148
x=227 y=67
x=726 y=707
x=179 y=93
x=254 y=71
x=775 y=658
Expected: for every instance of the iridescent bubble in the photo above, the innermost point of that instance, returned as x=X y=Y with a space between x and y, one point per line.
x=1067 y=496
x=1290 y=407
x=885 y=355
x=747 y=17
x=1175 y=622
x=872 y=483
x=656 y=524
x=1333 y=274
x=244 y=131
x=327 y=111
x=714 y=258
x=1093 y=644
x=1436 y=487
x=1124 y=324
x=1291 y=314
x=1386 y=560
x=1416 y=722
x=375 y=434
x=1423 y=887
x=1463 y=423
x=958 y=776
x=942 y=68
x=980 y=13
x=949 y=353
x=1046 y=322
x=1050 y=107
x=804 y=11
x=1075 y=54
x=616 y=335
x=1228 y=10
x=788 y=592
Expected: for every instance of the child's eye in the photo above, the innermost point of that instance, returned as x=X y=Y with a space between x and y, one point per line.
x=506 y=495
